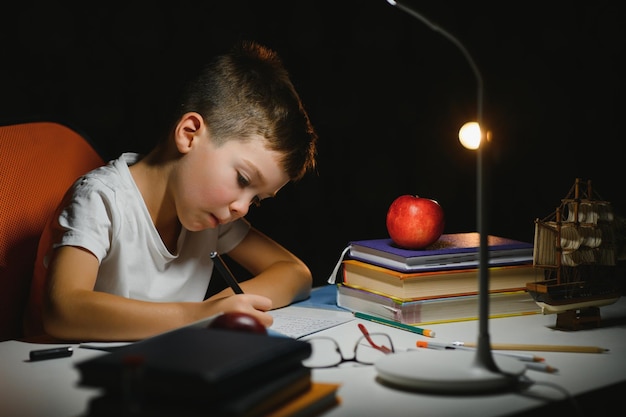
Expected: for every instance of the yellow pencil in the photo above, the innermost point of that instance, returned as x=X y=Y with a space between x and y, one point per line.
x=544 y=348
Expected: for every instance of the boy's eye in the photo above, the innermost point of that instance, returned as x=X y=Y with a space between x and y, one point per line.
x=242 y=181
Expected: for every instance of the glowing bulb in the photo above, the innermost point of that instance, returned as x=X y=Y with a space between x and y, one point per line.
x=470 y=135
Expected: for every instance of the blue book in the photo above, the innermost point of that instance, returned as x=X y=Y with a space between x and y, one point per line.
x=450 y=251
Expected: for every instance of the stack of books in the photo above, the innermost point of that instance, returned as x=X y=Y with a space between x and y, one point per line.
x=438 y=284
x=200 y=372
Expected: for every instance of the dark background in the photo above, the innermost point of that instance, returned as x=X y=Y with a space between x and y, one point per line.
x=386 y=94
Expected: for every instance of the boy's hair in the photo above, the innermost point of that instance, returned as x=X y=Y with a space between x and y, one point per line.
x=248 y=92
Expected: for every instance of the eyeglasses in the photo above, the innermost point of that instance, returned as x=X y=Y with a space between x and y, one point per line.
x=326 y=353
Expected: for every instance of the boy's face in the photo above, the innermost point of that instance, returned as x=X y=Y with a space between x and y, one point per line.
x=215 y=185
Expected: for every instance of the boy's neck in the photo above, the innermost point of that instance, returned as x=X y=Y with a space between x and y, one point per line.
x=150 y=175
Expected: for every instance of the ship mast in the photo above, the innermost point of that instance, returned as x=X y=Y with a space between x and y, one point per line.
x=557 y=243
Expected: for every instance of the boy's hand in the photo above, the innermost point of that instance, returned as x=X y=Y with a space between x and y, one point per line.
x=251 y=304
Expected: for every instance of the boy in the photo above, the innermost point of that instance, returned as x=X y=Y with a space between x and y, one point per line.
x=131 y=243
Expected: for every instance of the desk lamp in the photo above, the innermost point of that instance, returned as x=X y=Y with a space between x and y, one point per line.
x=458 y=371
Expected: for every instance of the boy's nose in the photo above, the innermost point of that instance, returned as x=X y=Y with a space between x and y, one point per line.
x=240 y=207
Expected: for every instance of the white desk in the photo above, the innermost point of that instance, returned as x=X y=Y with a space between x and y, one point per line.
x=48 y=388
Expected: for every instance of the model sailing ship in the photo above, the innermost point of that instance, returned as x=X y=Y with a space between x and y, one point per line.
x=575 y=247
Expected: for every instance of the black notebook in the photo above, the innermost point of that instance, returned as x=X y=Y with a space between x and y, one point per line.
x=256 y=402
x=195 y=363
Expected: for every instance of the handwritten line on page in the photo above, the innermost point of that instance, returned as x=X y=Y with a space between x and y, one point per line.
x=297 y=322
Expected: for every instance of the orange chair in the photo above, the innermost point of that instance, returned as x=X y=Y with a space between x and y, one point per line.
x=38 y=163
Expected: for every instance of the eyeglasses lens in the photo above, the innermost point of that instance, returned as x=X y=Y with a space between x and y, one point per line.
x=325 y=352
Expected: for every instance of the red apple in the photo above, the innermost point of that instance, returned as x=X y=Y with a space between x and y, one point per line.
x=238 y=321
x=414 y=222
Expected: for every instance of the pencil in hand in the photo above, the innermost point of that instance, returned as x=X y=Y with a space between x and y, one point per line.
x=225 y=273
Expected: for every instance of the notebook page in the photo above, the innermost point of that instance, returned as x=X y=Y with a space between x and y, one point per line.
x=297 y=322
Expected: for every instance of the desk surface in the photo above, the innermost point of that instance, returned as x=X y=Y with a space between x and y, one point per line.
x=48 y=388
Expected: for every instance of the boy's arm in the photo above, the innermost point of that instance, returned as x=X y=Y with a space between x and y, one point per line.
x=277 y=273
x=74 y=311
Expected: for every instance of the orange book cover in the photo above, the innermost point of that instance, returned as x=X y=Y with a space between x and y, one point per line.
x=319 y=398
x=427 y=284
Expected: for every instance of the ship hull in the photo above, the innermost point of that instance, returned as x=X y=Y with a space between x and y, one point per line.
x=555 y=298
x=561 y=308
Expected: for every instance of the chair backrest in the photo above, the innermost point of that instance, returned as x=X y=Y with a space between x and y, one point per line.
x=38 y=163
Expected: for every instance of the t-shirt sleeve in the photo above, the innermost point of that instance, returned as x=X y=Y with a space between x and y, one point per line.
x=85 y=219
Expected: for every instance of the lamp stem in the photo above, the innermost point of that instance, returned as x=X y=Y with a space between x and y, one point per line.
x=484 y=357
x=483 y=344
x=479 y=78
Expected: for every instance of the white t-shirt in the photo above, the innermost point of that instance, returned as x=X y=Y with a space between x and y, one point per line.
x=107 y=216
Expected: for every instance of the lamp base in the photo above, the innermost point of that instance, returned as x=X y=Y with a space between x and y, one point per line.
x=448 y=371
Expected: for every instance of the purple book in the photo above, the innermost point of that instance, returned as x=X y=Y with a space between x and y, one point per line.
x=450 y=251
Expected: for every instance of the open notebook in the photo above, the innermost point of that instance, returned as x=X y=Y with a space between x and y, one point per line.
x=297 y=322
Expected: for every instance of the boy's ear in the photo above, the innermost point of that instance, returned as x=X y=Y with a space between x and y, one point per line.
x=190 y=126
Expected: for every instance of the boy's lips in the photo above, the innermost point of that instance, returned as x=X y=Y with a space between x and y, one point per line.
x=216 y=220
